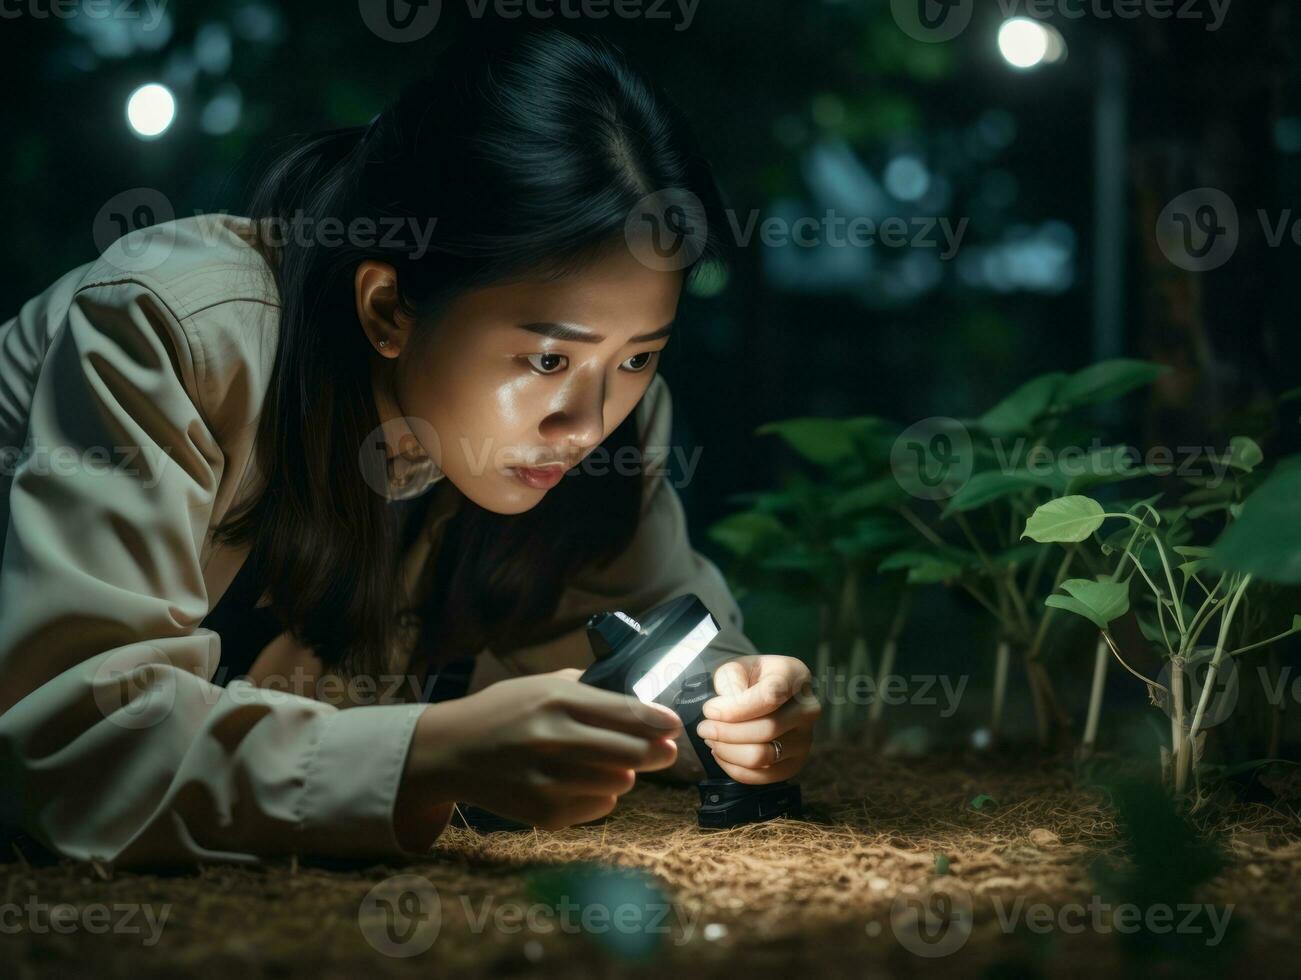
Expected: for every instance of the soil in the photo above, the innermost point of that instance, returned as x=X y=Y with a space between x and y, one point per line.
x=1002 y=849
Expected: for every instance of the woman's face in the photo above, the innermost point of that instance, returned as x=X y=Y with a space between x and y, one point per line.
x=533 y=375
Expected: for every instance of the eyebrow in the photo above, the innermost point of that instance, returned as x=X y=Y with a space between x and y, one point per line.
x=565 y=331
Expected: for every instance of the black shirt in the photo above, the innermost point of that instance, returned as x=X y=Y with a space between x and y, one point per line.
x=246 y=628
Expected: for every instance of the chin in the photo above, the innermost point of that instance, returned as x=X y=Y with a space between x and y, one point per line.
x=513 y=498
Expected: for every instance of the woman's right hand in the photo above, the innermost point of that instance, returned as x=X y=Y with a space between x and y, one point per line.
x=545 y=750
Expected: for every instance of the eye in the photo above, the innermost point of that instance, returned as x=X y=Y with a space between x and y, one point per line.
x=547 y=359
x=644 y=359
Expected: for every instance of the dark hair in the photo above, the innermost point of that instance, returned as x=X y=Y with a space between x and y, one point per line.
x=530 y=150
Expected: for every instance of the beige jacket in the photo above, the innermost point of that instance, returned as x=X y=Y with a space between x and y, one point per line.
x=129 y=395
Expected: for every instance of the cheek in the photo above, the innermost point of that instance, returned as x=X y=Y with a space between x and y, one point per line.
x=476 y=407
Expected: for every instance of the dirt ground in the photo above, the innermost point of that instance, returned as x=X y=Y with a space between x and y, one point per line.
x=894 y=873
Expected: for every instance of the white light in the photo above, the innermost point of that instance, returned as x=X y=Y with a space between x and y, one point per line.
x=150 y=110
x=656 y=680
x=1023 y=42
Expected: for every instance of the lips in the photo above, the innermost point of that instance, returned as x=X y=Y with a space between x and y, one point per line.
x=540 y=478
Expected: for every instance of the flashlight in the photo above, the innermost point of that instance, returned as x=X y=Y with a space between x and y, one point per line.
x=659 y=659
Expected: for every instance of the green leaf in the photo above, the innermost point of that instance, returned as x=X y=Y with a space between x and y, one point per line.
x=885 y=492
x=825 y=442
x=1110 y=464
x=1100 y=602
x=1171 y=515
x=768 y=501
x=1067 y=519
x=923 y=568
x=1018 y=412
x=798 y=558
x=1016 y=555
x=745 y=533
x=982 y=801
x=1244 y=454
x=871 y=533
x=1106 y=380
x=984 y=488
x=1150 y=628
x=1265 y=540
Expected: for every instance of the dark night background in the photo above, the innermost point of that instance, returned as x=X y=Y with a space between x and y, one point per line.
x=802 y=106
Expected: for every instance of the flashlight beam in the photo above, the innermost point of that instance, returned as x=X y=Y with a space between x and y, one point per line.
x=671 y=666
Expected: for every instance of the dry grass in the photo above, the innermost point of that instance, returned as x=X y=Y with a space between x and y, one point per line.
x=768 y=898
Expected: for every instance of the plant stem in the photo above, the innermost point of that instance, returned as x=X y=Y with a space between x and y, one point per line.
x=1272 y=639
x=1043 y=698
x=1276 y=716
x=1095 y=698
x=921 y=526
x=858 y=660
x=888 y=652
x=970 y=535
x=1116 y=650
x=878 y=702
x=999 y=614
x=1002 y=659
x=1165 y=563
x=822 y=663
x=1032 y=580
x=1178 y=741
x=1214 y=669
x=1169 y=575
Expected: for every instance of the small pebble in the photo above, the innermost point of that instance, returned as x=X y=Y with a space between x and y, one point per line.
x=533 y=951
x=1043 y=837
x=878 y=884
x=715 y=931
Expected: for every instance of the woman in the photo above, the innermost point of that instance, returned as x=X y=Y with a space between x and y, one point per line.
x=372 y=429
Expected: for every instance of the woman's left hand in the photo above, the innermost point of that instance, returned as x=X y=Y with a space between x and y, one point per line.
x=761 y=697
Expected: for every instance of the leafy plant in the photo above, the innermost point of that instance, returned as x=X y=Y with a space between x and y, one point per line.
x=1021 y=456
x=814 y=540
x=821 y=538
x=1182 y=597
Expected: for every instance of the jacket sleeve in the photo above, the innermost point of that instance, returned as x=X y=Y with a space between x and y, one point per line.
x=114 y=743
x=658 y=565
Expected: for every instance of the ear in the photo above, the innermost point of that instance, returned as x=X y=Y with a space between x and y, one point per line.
x=387 y=329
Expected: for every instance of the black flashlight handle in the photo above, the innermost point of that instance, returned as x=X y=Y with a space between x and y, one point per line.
x=689 y=705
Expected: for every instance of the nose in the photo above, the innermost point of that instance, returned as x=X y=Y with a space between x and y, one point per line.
x=578 y=423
